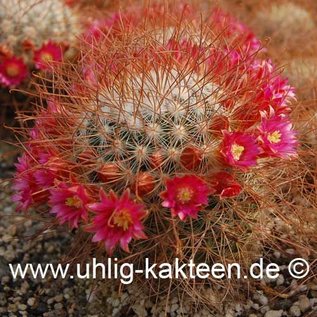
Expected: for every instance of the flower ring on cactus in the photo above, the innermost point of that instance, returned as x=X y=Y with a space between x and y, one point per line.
x=168 y=115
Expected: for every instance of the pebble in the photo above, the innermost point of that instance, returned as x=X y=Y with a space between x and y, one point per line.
x=274 y=313
x=174 y=307
x=9 y=255
x=280 y=280
x=5 y=279
x=263 y=300
x=313 y=287
x=58 y=306
x=295 y=311
x=116 y=302
x=255 y=306
x=59 y=298
x=290 y=251
x=31 y=301
x=22 y=307
x=303 y=303
x=264 y=309
x=6 y=238
x=50 y=301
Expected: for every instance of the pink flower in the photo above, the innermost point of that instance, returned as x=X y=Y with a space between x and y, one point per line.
x=12 y=71
x=225 y=185
x=239 y=149
x=69 y=203
x=236 y=30
x=100 y=28
x=52 y=168
x=28 y=192
x=49 y=52
x=37 y=170
x=278 y=137
x=117 y=220
x=185 y=196
x=275 y=92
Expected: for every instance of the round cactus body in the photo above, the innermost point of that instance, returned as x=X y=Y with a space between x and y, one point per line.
x=171 y=134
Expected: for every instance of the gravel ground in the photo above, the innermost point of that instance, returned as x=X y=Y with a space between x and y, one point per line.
x=21 y=243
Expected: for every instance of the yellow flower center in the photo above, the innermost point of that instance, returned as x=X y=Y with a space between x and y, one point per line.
x=46 y=57
x=185 y=194
x=74 y=201
x=123 y=219
x=274 y=137
x=236 y=151
x=12 y=70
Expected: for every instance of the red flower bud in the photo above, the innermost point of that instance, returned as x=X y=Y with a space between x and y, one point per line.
x=109 y=173
x=218 y=123
x=87 y=157
x=191 y=157
x=144 y=184
x=225 y=185
x=156 y=159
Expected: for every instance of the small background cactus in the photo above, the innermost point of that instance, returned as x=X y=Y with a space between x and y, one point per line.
x=33 y=33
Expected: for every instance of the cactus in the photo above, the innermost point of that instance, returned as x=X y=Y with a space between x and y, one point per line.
x=172 y=137
x=36 y=29
x=286 y=23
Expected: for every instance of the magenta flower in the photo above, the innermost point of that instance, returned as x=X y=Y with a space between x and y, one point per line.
x=278 y=137
x=236 y=30
x=28 y=193
x=12 y=71
x=239 y=149
x=276 y=91
x=117 y=220
x=69 y=203
x=49 y=52
x=52 y=168
x=185 y=196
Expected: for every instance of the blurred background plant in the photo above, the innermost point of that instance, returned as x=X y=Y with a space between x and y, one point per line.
x=33 y=35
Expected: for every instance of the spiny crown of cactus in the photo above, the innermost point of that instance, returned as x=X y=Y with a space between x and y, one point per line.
x=32 y=32
x=166 y=117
